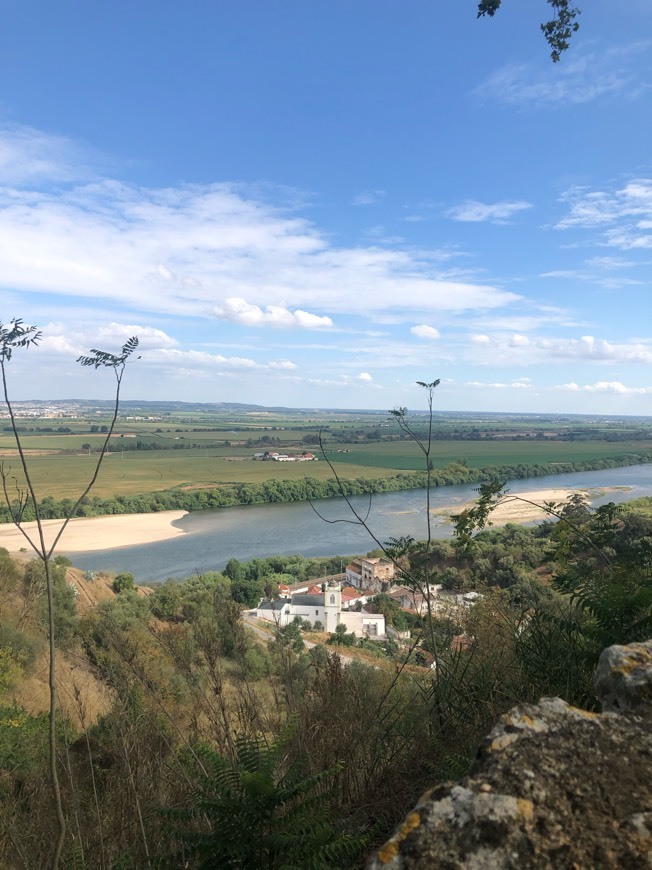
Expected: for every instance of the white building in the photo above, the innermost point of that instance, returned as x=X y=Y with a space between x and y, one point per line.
x=324 y=607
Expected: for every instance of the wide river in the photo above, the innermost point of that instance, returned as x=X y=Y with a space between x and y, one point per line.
x=215 y=536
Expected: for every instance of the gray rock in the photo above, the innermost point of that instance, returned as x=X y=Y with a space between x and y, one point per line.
x=553 y=787
x=623 y=677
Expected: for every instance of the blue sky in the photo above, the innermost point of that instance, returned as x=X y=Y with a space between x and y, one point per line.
x=319 y=203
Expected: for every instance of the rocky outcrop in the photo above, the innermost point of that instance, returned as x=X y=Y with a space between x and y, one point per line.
x=553 y=786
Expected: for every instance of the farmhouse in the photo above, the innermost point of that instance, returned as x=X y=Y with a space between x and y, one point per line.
x=273 y=456
x=324 y=607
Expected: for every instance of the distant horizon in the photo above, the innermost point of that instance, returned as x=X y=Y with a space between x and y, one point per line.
x=317 y=409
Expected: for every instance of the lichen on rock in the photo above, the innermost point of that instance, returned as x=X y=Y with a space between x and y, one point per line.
x=623 y=678
x=552 y=786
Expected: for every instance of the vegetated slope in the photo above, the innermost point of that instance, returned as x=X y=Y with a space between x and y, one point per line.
x=194 y=700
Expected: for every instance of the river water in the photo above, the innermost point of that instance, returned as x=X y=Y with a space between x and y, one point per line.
x=215 y=536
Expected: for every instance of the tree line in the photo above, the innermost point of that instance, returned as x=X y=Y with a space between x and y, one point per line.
x=308 y=488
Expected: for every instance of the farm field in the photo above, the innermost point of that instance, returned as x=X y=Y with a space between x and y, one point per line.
x=172 y=446
x=63 y=475
x=406 y=456
x=134 y=472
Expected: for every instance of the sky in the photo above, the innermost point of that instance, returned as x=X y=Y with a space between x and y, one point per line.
x=317 y=204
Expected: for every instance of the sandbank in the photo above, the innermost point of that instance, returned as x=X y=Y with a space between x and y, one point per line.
x=526 y=507
x=88 y=534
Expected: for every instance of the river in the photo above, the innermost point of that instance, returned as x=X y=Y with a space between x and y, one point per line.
x=215 y=536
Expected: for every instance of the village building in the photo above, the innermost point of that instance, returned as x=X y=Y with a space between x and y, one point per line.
x=352 y=597
x=373 y=573
x=325 y=607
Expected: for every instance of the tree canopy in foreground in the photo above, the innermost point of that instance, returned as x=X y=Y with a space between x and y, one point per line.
x=557 y=31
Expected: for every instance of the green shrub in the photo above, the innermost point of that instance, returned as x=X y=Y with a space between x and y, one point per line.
x=123 y=583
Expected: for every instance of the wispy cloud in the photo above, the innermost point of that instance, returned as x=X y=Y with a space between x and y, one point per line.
x=520 y=384
x=29 y=156
x=495 y=212
x=624 y=215
x=369 y=197
x=620 y=71
x=603 y=271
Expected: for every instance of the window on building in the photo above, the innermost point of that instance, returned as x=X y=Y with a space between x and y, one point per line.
x=332 y=599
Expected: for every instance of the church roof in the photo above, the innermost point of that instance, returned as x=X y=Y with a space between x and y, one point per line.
x=276 y=604
x=308 y=600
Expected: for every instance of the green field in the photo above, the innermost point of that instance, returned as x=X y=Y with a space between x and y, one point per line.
x=64 y=476
x=199 y=449
x=138 y=471
x=478 y=454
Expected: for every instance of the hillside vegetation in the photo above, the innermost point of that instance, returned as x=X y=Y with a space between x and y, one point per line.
x=185 y=739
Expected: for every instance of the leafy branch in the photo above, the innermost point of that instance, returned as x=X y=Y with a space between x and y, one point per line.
x=15 y=335
x=557 y=31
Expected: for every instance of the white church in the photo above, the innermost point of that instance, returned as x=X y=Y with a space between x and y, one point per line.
x=324 y=607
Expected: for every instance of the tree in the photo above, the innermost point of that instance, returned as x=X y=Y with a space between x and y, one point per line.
x=290 y=636
x=16 y=335
x=557 y=31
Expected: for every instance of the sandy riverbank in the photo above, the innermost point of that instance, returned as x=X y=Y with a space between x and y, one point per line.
x=524 y=507
x=87 y=534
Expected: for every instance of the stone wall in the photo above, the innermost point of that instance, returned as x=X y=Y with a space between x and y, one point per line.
x=552 y=786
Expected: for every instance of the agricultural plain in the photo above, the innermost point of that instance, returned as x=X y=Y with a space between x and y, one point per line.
x=205 y=449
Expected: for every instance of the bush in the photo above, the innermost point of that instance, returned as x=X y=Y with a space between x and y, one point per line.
x=123 y=583
x=341 y=637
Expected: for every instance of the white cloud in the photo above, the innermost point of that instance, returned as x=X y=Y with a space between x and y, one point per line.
x=199 y=358
x=520 y=384
x=148 y=336
x=59 y=338
x=496 y=212
x=282 y=365
x=614 y=387
x=186 y=250
x=238 y=311
x=61 y=344
x=424 y=331
x=524 y=350
x=364 y=376
x=582 y=78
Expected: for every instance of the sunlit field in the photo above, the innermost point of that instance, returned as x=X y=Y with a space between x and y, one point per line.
x=214 y=451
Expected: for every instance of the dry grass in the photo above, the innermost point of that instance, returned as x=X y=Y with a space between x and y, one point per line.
x=76 y=685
